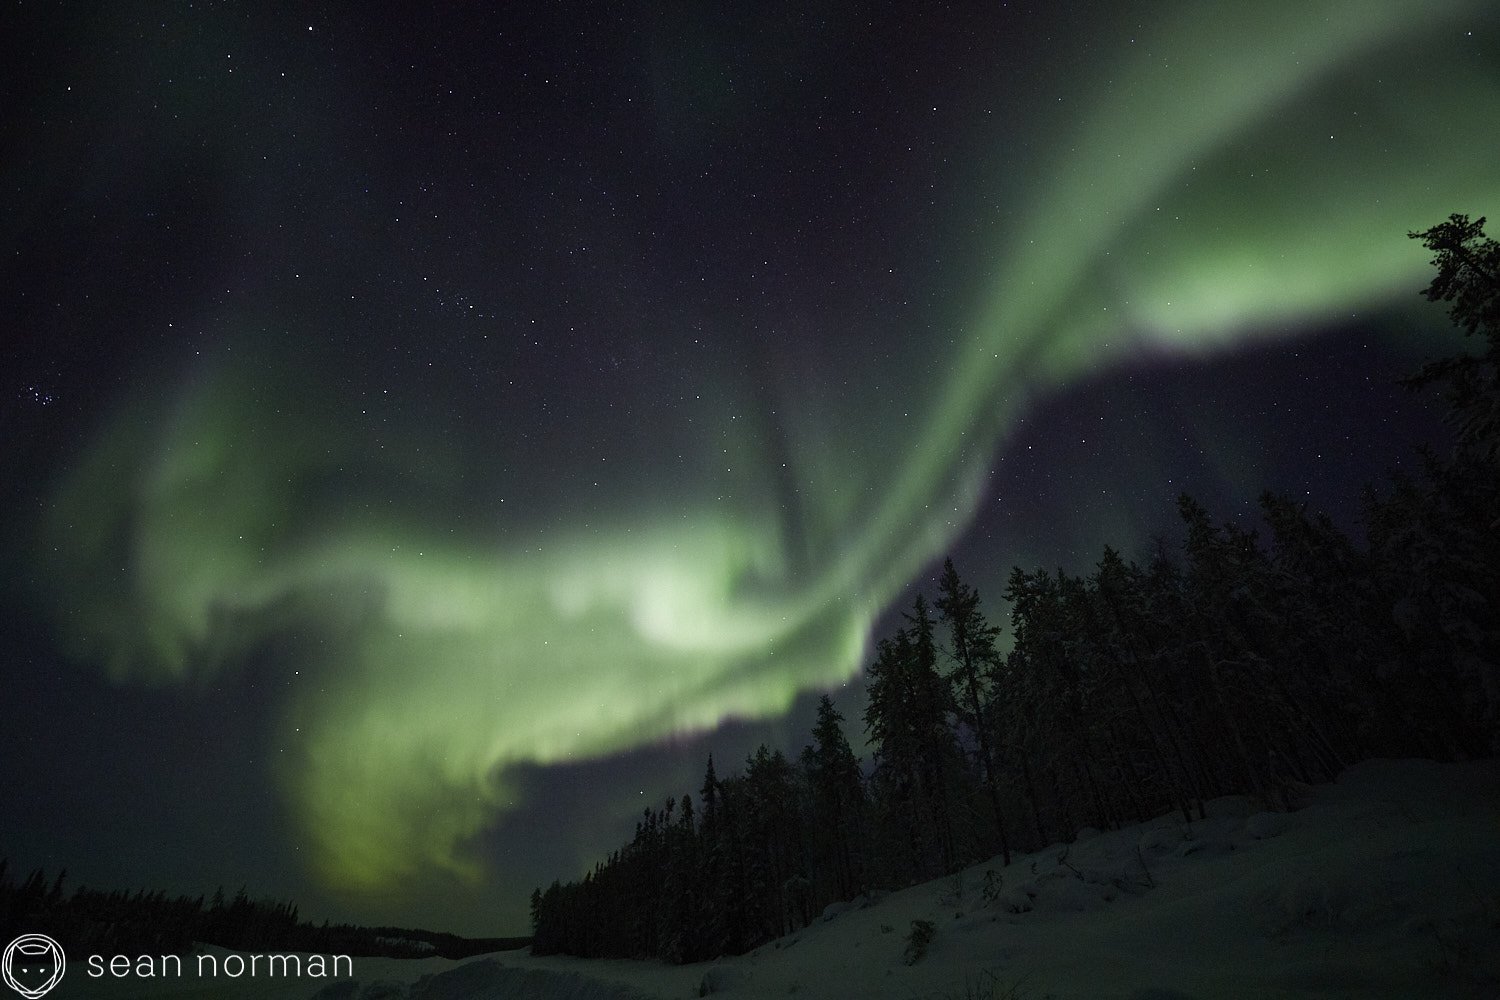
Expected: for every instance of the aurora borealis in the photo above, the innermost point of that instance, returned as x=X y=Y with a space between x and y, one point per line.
x=494 y=396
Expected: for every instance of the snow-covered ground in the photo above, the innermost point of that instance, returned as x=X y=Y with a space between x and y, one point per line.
x=1385 y=884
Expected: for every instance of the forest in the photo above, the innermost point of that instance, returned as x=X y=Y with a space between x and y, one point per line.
x=1238 y=660
x=111 y=922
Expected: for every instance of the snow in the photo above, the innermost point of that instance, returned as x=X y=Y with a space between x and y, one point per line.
x=1385 y=884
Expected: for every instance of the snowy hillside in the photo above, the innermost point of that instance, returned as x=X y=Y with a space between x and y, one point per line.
x=1386 y=884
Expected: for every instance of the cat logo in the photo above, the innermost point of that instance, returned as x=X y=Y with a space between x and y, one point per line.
x=33 y=964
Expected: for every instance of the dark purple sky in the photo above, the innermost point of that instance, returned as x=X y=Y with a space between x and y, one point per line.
x=428 y=435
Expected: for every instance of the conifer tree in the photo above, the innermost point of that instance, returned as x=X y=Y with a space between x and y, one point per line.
x=1451 y=522
x=1468 y=277
x=679 y=907
x=836 y=805
x=916 y=757
x=1121 y=622
x=773 y=845
x=972 y=649
x=895 y=783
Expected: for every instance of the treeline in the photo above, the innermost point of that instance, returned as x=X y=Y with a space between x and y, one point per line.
x=758 y=856
x=1244 y=660
x=95 y=922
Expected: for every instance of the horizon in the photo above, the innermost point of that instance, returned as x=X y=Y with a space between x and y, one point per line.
x=431 y=437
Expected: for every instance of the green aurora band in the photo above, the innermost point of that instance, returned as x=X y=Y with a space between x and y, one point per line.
x=1242 y=170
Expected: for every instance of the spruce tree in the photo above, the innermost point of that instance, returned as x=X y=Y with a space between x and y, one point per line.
x=836 y=805
x=916 y=753
x=972 y=650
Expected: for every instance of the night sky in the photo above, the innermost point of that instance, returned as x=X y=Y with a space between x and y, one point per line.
x=427 y=436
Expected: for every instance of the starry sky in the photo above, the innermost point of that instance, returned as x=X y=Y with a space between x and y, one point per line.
x=428 y=435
